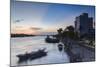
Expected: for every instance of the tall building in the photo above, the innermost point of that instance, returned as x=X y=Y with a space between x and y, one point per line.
x=84 y=25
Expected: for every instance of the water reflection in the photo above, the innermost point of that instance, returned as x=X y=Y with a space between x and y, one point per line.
x=29 y=44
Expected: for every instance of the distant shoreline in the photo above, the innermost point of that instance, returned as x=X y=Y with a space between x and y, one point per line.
x=25 y=35
x=21 y=35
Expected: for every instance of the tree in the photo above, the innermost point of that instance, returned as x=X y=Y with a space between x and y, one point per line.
x=70 y=28
x=60 y=33
x=59 y=30
x=70 y=33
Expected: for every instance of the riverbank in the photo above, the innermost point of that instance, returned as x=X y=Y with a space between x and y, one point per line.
x=79 y=52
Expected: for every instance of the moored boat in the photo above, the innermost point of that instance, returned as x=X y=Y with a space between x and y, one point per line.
x=51 y=40
x=60 y=47
x=32 y=55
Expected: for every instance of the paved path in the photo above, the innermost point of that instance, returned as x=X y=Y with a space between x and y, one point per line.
x=81 y=51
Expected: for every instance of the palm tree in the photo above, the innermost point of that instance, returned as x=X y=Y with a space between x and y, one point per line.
x=59 y=30
x=60 y=33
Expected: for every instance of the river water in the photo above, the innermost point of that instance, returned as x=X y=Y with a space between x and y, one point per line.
x=21 y=45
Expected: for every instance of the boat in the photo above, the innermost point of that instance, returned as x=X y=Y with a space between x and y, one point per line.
x=38 y=54
x=60 y=47
x=51 y=40
x=32 y=55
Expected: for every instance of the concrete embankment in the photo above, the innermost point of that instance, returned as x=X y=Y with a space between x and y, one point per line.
x=79 y=52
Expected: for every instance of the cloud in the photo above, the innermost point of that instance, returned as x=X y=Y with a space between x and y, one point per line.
x=19 y=20
x=35 y=28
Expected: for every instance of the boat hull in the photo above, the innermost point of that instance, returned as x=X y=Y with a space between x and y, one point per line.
x=50 y=40
x=31 y=56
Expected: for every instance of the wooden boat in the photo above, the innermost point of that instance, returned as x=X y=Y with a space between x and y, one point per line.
x=38 y=54
x=31 y=56
x=60 y=47
x=51 y=40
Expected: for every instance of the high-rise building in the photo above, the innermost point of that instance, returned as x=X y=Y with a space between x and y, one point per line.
x=84 y=25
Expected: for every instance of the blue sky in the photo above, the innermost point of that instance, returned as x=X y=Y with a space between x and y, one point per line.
x=36 y=18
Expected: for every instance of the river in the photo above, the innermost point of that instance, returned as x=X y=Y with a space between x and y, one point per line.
x=21 y=45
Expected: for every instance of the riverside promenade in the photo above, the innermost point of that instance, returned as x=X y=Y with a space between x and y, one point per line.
x=79 y=52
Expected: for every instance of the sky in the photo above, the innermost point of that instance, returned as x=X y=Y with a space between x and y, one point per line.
x=44 y=18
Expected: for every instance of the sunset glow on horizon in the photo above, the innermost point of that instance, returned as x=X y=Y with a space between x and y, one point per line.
x=41 y=18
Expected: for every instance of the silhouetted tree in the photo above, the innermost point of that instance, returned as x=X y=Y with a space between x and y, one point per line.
x=69 y=33
x=60 y=33
x=70 y=28
x=59 y=30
